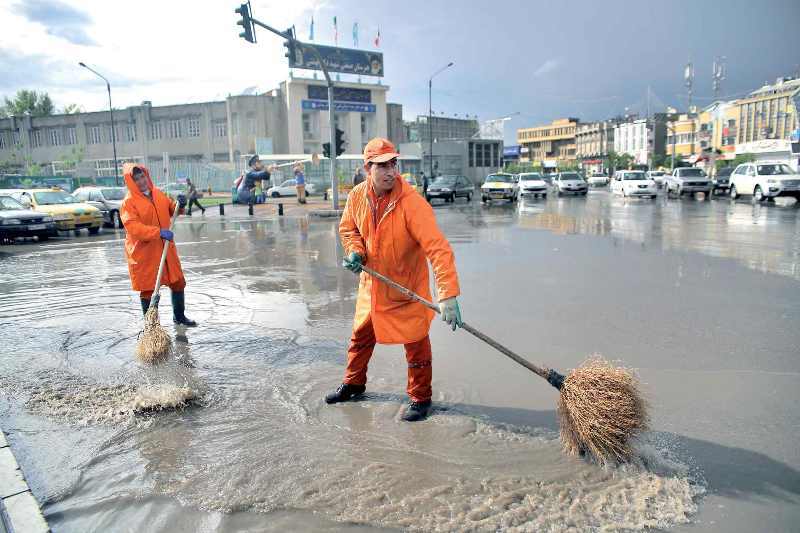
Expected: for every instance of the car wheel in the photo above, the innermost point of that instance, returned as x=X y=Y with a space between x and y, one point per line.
x=275 y=194
x=758 y=196
x=94 y=231
x=734 y=193
x=43 y=238
x=469 y=197
x=453 y=198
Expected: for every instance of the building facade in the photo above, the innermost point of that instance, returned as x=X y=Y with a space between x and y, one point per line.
x=551 y=144
x=768 y=112
x=705 y=136
x=473 y=158
x=643 y=139
x=442 y=128
x=593 y=142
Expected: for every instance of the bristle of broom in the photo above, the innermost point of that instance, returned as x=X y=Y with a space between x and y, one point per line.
x=154 y=343
x=601 y=410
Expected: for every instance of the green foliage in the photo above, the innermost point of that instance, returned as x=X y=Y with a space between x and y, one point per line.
x=72 y=109
x=619 y=161
x=518 y=168
x=738 y=160
x=660 y=160
x=35 y=103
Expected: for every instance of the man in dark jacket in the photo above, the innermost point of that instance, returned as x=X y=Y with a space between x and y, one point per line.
x=191 y=191
x=247 y=188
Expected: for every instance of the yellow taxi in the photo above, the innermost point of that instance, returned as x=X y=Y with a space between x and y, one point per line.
x=68 y=213
x=411 y=180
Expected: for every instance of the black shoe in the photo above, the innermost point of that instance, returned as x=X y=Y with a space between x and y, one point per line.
x=417 y=411
x=145 y=305
x=178 y=310
x=345 y=392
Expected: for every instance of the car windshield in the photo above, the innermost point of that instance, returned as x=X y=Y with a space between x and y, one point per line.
x=530 y=177
x=113 y=194
x=570 y=176
x=633 y=176
x=6 y=202
x=499 y=178
x=774 y=170
x=444 y=180
x=53 y=198
x=691 y=173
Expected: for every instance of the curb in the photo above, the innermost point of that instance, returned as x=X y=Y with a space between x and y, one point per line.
x=326 y=213
x=19 y=510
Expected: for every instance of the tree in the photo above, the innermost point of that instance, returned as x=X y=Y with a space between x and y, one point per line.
x=738 y=160
x=618 y=161
x=72 y=109
x=35 y=103
x=659 y=161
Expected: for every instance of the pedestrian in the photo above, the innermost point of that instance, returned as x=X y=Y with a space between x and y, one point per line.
x=387 y=226
x=191 y=191
x=300 y=183
x=358 y=176
x=247 y=188
x=146 y=213
x=425 y=186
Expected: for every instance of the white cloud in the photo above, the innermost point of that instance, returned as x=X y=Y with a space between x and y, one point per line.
x=547 y=67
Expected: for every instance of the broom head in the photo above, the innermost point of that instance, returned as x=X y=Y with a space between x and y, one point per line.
x=154 y=343
x=601 y=411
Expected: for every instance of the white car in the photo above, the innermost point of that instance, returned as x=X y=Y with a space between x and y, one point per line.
x=289 y=188
x=657 y=176
x=633 y=183
x=570 y=183
x=598 y=180
x=499 y=187
x=764 y=181
x=532 y=183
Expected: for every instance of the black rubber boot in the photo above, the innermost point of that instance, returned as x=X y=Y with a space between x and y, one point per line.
x=178 y=310
x=145 y=305
x=417 y=411
x=345 y=392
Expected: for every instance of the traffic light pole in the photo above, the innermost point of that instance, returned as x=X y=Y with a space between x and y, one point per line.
x=331 y=112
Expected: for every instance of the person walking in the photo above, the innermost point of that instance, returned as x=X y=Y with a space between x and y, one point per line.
x=146 y=214
x=300 y=183
x=247 y=188
x=191 y=191
x=387 y=226
x=425 y=184
x=358 y=176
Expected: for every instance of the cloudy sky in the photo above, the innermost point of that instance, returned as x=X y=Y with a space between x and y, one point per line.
x=541 y=59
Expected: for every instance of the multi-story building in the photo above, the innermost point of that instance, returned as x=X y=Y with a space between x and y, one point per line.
x=442 y=128
x=768 y=112
x=702 y=137
x=642 y=139
x=470 y=157
x=593 y=142
x=551 y=145
x=395 y=128
x=292 y=119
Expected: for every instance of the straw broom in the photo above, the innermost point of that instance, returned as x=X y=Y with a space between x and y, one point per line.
x=600 y=407
x=155 y=343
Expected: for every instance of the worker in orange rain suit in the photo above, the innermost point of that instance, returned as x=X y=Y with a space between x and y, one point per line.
x=146 y=215
x=389 y=227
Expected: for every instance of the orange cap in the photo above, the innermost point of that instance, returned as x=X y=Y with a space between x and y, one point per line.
x=379 y=150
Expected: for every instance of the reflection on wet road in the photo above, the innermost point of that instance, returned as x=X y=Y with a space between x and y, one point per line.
x=701 y=296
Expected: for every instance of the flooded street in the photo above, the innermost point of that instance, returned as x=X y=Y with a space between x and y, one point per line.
x=701 y=297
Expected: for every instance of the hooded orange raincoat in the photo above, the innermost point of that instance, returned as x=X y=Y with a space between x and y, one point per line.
x=397 y=247
x=144 y=218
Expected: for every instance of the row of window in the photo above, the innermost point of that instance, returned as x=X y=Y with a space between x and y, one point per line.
x=549 y=132
x=484 y=155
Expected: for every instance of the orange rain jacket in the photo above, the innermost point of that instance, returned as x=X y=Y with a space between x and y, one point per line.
x=144 y=218
x=397 y=247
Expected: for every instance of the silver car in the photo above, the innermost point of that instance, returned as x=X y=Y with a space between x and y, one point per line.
x=18 y=221
x=570 y=183
x=107 y=199
x=688 y=180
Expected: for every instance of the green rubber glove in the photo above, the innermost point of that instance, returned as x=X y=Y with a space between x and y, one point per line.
x=353 y=262
x=451 y=312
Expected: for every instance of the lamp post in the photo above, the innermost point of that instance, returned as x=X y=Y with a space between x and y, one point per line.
x=430 y=113
x=113 y=129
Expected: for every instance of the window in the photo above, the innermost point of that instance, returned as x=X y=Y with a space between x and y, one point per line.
x=130 y=133
x=71 y=136
x=55 y=137
x=251 y=124
x=36 y=138
x=155 y=130
x=495 y=155
x=94 y=135
x=363 y=125
x=193 y=127
x=220 y=128
x=2 y=141
x=471 y=155
x=175 y=129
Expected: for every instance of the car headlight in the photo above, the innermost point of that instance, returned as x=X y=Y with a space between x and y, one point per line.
x=772 y=181
x=445 y=189
x=11 y=221
x=47 y=219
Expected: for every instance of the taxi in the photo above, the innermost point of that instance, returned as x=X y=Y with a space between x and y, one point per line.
x=67 y=212
x=500 y=186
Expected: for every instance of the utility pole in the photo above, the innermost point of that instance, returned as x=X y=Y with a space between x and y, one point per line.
x=113 y=129
x=430 y=113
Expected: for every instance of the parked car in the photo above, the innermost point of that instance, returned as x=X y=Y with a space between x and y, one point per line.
x=570 y=183
x=449 y=188
x=764 y=181
x=107 y=199
x=658 y=176
x=289 y=188
x=687 y=180
x=499 y=187
x=411 y=180
x=175 y=191
x=532 y=183
x=633 y=183
x=722 y=180
x=18 y=221
x=598 y=179
x=67 y=212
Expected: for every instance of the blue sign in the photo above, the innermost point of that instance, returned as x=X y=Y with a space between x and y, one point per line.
x=309 y=105
x=340 y=94
x=795 y=136
x=335 y=59
x=511 y=151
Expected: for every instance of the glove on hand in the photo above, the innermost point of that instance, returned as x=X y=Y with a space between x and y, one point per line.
x=451 y=312
x=353 y=262
x=166 y=234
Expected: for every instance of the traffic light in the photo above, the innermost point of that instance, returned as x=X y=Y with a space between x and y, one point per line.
x=246 y=23
x=339 y=142
x=326 y=149
x=289 y=44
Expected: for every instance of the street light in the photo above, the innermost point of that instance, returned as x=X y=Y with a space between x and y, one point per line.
x=113 y=129
x=430 y=112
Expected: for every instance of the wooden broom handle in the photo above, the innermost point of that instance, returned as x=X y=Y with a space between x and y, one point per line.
x=154 y=299
x=546 y=373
